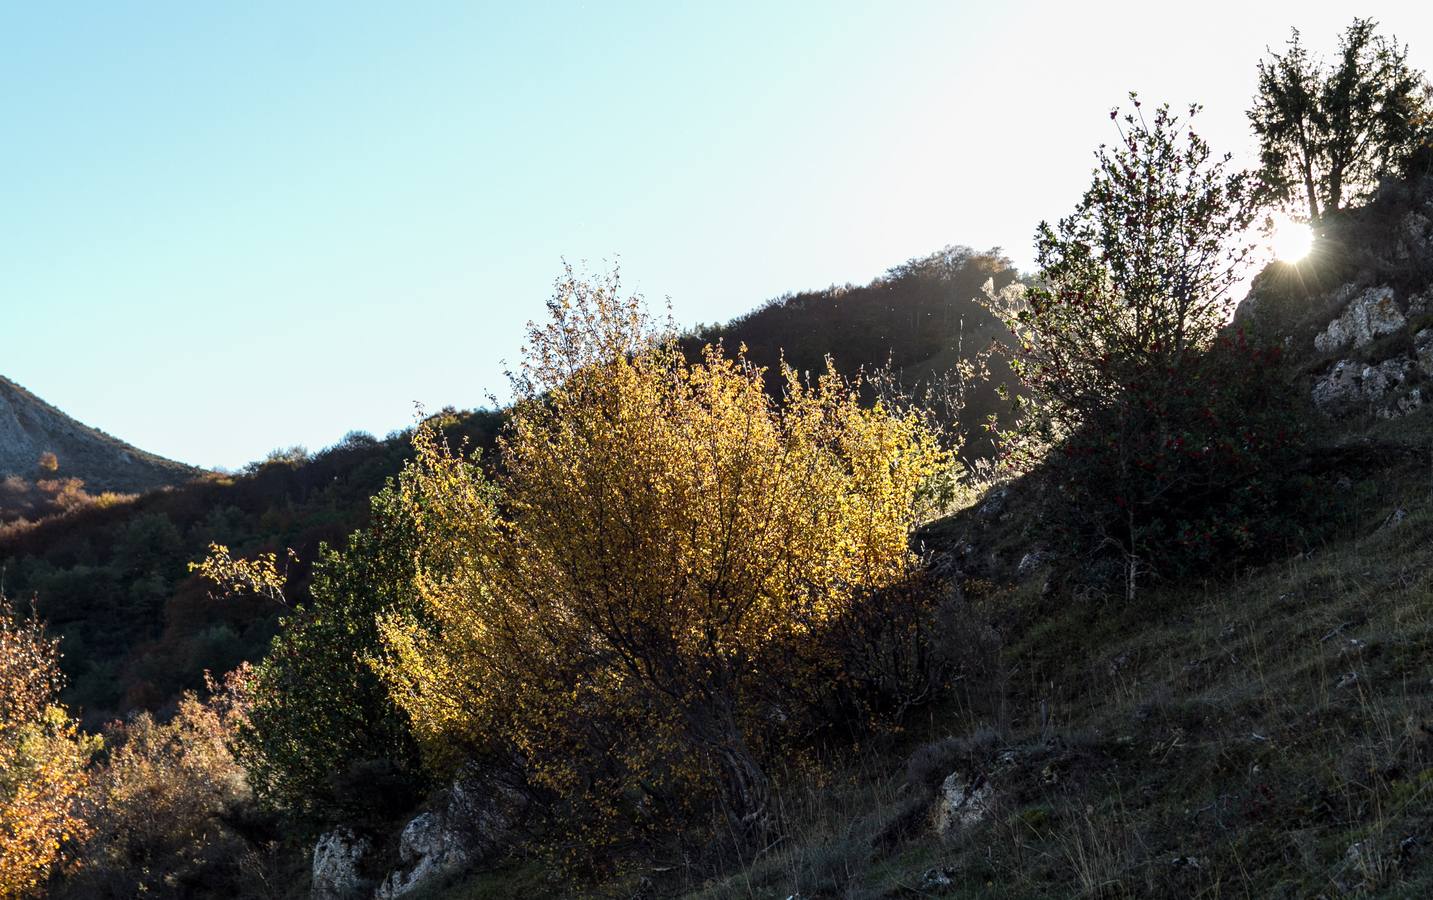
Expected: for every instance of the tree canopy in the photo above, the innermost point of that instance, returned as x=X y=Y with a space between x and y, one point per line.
x=1157 y=418
x=1327 y=132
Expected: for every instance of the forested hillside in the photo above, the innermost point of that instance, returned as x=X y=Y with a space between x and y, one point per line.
x=112 y=579
x=921 y=319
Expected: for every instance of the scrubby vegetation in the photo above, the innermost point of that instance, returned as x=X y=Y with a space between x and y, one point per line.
x=112 y=579
x=696 y=618
x=43 y=756
x=169 y=808
x=664 y=561
x=1162 y=434
x=24 y=503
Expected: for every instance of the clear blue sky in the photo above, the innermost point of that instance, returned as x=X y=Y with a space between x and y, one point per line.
x=230 y=227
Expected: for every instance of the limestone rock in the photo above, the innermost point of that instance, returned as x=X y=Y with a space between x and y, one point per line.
x=1352 y=386
x=1032 y=561
x=1340 y=388
x=1416 y=230
x=992 y=505
x=962 y=803
x=1368 y=316
x=1401 y=405
x=338 y=866
x=937 y=880
x=429 y=849
x=1423 y=350
x=474 y=821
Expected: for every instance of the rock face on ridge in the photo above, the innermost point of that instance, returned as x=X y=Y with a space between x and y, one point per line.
x=1372 y=314
x=30 y=428
x=1358 y=314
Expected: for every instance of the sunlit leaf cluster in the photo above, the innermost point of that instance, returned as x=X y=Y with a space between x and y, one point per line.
x=42 y=757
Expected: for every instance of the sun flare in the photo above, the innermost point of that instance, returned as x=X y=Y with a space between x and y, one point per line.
x=1290 y=241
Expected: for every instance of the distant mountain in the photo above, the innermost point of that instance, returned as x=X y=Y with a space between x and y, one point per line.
x=30 y=428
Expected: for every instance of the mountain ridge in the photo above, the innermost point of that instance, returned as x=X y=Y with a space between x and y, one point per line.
x=30 y=427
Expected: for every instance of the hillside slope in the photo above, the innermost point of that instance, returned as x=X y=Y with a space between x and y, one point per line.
x=30 y=427
x=112 y=579
x=921 y=318
x=1251 y=732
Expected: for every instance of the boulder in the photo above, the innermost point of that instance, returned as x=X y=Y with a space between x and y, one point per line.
x=1368 y=316
x=474 y=820
x=1340 y=388
x=962 y=803
x=1352 y=386
x=429 y=849
x=1423 y=350
x=1032 y=561
x=338 y=860
x=937 y=880
x=1416 y=230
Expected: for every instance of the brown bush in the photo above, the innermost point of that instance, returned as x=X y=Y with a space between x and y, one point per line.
x=165 y=804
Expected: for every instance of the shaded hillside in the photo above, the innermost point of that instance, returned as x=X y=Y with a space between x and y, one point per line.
x=31 y=428
x=921 y=317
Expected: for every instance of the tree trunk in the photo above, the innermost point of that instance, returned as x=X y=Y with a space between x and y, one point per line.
x=745 y=789
x=1313 y=195
x=746 y=793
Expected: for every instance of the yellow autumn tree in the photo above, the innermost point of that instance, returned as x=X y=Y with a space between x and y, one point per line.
x=42 y=757
x=661 y=536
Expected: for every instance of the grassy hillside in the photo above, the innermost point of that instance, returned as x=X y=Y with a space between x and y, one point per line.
x=1253 y=729
x=1261 y=732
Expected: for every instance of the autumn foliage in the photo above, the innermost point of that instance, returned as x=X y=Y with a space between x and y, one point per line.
x=163 y=806
x=661 y=539
x=42 y=757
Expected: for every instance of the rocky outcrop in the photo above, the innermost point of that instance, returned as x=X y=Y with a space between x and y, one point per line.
x=338 y=862
x=1423 y=351
x=469 y=823
x=1370 y=315
x=1032 y=561
x=1393 y=387
x=1385 y=390
x=962 y=803
x=431 y=848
